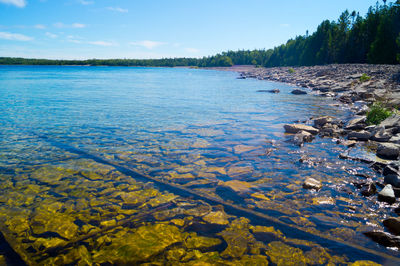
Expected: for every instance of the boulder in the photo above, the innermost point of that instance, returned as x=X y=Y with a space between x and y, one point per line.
x=311 y=183
x=393 y=180
x=321 y=121
x=392 y=121
x=359 y=135
x=369 y=190
x=387 y=194
x=357 y=123
x=301 y=137
x=388 y=150
x=298 y=92
x=393 y=225
x=294 y=128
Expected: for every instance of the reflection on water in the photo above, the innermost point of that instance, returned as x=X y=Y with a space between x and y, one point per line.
x=85 y=154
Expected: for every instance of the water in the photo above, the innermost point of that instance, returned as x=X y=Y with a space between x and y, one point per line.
x=136 y=165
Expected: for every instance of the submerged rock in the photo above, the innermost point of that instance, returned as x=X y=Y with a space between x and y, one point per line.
x=298 y=92
x=311 y=183
x=387 y=194
x=217 y=217
x=282 y=254
x=270 y=91
x=295 y=128
x=393 y=225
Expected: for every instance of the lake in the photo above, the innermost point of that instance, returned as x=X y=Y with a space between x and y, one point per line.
x=115 y=165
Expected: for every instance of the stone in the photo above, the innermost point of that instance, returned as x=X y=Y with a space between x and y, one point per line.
x=282 y=254
x=238 y=149
x=388 y=150
x=393 y=225
x=217 y=217
x=294 y=128
x=298 y=92
x=395 y=139
x=270 y=91
x=321 y=121
x=311 y=183
x=349 y=143
x=379 y=134
x=387 y=194
x=369 y=190
x=359 y=135
x=393 y=180
x=301 y=137
x=392 y=121
x=357 y=123
x=383 y=238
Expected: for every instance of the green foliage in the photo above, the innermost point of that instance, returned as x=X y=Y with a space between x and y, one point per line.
x=377 y=113
x=364 y=77
x=291 y=70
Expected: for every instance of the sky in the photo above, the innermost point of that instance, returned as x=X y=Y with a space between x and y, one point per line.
x=84 y=29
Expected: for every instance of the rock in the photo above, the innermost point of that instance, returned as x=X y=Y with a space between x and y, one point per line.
x=379 y=134
x=217 y=217
x=392 y=121
x=383 y=238
x=294 y=128
x=270 y=91
x=387 y=194
x=311 y=183
x=357 y=123
x=388 y=150
x=301 y=137
x=238 y=149
x=395 y=139
x=359 y=135
x=369 y=190
x=393 y=225
x=321 y=121
x=298 y=92
x=391 y=169
x=349 y=143
x=393 y=180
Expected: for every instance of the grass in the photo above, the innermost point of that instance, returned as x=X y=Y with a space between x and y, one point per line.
x=377 y=113
x=364 y=78
x=291 y=70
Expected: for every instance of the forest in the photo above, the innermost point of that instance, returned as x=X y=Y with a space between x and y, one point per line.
x=373 y=39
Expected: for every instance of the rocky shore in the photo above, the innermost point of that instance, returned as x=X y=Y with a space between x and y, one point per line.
x=357 y=86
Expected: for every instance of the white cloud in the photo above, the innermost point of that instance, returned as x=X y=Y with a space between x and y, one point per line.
x=17 y=3
x=148 y=44
x=39 y=26
x=118 y=9
x=192 y=50
x=73 y=25
x=51 y=35
x=103 y=43
x=14 y=36
x=85 y=3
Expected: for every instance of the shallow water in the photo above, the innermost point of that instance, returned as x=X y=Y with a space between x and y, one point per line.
x=138 y=165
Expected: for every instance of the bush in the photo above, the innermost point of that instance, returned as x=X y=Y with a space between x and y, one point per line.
x=291 y=70
x=364 y=77
x=377 y=113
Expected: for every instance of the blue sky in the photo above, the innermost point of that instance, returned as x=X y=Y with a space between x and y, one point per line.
x=81 y=29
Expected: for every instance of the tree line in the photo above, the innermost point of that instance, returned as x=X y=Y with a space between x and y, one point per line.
x=373 y=39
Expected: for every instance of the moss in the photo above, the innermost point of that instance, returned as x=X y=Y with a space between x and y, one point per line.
x=377 y=113
x=364 y=78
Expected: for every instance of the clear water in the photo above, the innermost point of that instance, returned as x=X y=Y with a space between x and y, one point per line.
x=65 y=131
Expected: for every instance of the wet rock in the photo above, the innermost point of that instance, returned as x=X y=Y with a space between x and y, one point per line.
x=295 y=128
x=359 y=135
x=270 y=91
x=311 y=183
x=383 y=238
x=357 y=123
x=238 y=149
x=298 y=92
x=368 y=190
x=393 y=225
x=392 y=121
x=388 y=150
x=349 y=143
x=198 y=242
x=237 y=185
x=321 y=121
x=301 y=137
x=387 y=194
x=393 y=180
